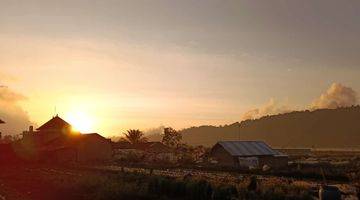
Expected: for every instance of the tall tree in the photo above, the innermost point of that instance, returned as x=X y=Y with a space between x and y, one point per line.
x=135 y=136
x=171 y=137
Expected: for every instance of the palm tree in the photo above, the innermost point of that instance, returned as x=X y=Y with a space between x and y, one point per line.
x=135 y=136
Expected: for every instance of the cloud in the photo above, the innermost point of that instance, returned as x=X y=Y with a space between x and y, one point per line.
x=155 y=131
x=336 y=96
x=270 y=108
x=16 y=118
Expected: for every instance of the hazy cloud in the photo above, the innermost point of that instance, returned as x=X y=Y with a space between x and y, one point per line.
x=16 y=118
x=270 y=108
x=336 y=96
x=155 y=131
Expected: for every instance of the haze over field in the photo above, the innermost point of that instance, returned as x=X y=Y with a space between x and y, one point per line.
x=142 y=64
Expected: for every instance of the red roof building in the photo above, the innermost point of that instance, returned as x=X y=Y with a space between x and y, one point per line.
x=55 y=141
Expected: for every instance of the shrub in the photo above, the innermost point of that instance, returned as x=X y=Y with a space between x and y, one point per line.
x=225 y=193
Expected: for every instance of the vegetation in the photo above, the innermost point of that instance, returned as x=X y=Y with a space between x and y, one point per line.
x=9 y=138
x=134 y=136
x=143 y=186
x=171 y=137
x=326 y=128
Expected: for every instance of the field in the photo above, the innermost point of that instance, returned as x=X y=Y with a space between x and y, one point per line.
x=301 y=180
x=36 y=182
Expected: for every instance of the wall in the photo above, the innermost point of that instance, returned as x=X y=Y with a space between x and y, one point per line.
x=273 y=161
x=223 y=158
x=94 y=149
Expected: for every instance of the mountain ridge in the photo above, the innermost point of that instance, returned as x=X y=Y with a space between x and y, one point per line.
x=323 y=128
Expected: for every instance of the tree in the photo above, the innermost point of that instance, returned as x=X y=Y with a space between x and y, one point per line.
x=135 y=136
x=9 y=138
x=171 y=137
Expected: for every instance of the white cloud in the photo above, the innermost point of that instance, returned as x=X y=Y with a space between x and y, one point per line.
x=336 y=96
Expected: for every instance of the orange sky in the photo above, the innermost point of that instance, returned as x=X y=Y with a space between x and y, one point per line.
x=126 y=64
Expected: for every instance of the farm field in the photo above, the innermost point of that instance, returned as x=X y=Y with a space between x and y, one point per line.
x=110 y=182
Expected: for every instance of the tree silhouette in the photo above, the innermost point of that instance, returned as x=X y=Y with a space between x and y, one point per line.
x=171 y=137
x=135 y=136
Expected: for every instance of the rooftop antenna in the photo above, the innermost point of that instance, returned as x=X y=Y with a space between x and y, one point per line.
x=55 y=112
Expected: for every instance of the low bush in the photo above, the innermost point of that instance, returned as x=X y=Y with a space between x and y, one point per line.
x=138 y=185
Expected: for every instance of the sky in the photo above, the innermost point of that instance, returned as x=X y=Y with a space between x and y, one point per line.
x=121 y=64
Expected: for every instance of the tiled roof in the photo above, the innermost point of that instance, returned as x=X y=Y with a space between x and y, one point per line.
x=247 y=148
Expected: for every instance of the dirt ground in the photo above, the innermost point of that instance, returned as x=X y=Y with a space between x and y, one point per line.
x=29 y=183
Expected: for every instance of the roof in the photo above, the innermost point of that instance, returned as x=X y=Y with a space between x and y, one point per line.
x=56 y=123
x=2 y=122
x=122 y=145
x=154 y=147
x=70 y=141
x=247 y=148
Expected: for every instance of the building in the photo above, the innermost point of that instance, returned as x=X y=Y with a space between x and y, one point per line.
x=90 y=147
x=56 y=142
x=247 y=154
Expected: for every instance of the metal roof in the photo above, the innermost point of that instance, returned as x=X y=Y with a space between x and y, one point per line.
x=248 y=148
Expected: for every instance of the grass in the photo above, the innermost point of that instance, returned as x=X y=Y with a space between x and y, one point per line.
x=143 y=186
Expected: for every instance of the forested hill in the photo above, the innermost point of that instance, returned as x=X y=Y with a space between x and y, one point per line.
x=326 y=128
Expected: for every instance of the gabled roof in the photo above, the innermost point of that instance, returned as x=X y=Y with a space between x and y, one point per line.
x=56 y=123
x=248 y=148
x=122 y=145
x=2 y=122
x=92 y=136
x=153 y=147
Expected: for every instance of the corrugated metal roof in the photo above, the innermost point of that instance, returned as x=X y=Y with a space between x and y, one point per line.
x=247 y=148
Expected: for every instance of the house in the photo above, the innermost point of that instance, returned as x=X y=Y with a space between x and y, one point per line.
x=53 y=129
x=56 y=142
x=90 y=147
x=247 y=154
x=150 y=151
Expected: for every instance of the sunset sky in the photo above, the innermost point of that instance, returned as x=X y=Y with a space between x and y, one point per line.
x=141 y=64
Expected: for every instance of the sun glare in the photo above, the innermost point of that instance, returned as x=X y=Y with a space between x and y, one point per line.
x=80 y=121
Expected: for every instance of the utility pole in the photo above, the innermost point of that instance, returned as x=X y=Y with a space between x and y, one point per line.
x=239 y=131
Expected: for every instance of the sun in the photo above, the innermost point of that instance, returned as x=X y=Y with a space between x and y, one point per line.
x=80 y=121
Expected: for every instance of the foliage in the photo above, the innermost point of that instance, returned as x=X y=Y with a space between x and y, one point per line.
x=137 y=185
x=135 y=136
x=9 y=138
x=225 y=193
x=307 y=128
x=171 y=137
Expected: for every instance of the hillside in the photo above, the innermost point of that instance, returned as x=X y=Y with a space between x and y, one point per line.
x=326 y=128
